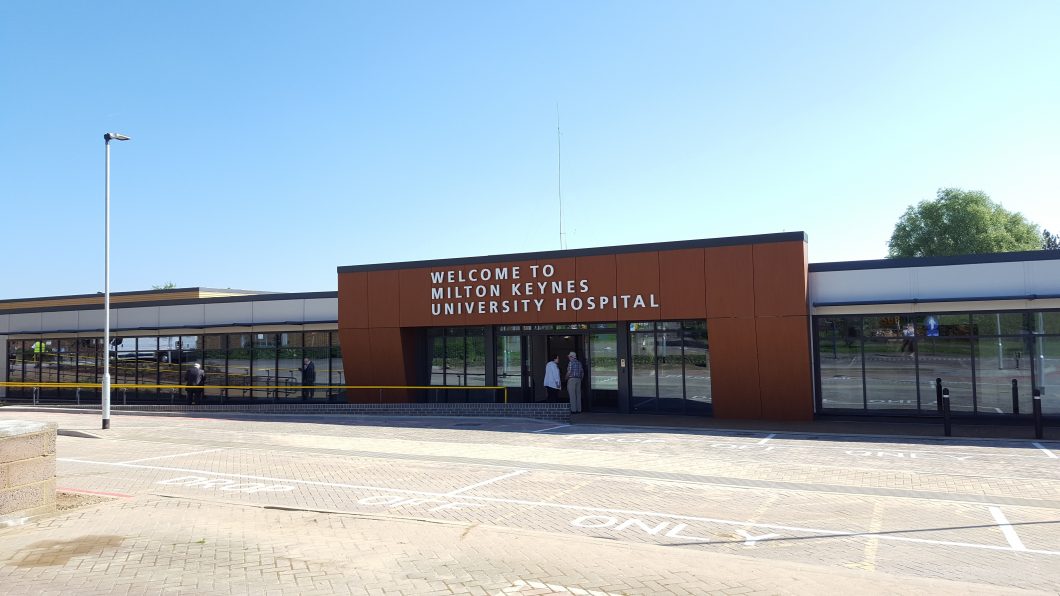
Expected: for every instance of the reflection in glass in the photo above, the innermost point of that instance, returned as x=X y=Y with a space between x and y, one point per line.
x=475 y=354
x=669 y=361
x=839 y=357
x=697 y=366
x=642 y=364
x=603 y=362
x=509 y=361
x=890 y=373
x=997 y=362
x=951 y=360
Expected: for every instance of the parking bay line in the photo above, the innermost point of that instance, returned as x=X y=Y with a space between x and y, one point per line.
x=136 y=461
x=1047 y=452
x=584 y=508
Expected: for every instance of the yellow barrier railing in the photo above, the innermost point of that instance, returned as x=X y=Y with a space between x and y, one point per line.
x=55 y=385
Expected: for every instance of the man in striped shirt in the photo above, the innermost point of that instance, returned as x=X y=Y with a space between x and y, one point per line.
x=575 y=372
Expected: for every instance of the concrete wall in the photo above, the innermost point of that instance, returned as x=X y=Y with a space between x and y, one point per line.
x=27 y=469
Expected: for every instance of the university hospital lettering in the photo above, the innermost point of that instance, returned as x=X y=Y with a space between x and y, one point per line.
x=481 y=291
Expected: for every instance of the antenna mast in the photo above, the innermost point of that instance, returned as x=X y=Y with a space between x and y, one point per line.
x=559 y=178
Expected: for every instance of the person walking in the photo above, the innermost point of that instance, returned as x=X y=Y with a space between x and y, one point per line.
x=309 y=378
x=552 y=382
x=575 y=372
x=193 y=378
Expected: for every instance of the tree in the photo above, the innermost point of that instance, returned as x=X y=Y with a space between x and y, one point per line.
x=166 y=286
x=1050 y=241
x=961 y=222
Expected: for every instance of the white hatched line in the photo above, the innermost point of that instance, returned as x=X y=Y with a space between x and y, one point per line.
x=1047 y=452
x=1006 y=529
x=765 y=440
x=551 y=428
x=136 y=461
x=522 y=586
x=485 y=482
x=567 y=507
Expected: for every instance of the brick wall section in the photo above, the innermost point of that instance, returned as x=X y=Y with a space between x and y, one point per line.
x=27 y=470
x=551 y=412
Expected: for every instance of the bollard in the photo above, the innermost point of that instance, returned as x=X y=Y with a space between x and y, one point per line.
x=938 y=394
x=1038 y=430
x=946 y=412
x=78 y=395
x=1015 y=397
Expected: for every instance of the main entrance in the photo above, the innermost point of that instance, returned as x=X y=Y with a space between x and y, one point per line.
x=595 y=348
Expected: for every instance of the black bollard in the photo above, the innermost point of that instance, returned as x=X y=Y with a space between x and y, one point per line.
x=946 y=412
x=1015 y=397
x=1038 y=430
x=938 y=394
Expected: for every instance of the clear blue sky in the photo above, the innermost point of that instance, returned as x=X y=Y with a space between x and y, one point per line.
x=274 y=141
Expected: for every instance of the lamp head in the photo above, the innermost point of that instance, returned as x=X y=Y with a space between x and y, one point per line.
x=115 y=136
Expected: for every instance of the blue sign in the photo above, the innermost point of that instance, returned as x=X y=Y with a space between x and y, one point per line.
x=931 y=326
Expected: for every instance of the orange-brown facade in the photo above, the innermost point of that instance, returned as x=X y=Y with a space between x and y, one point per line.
x=751 y=291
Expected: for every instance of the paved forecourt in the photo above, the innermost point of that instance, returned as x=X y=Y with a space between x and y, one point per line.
x=984 y=512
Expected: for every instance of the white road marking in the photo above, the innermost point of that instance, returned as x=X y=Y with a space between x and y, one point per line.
x=550 y=428
x=766 y=440
x=136 y=461
x=522 y=586
x=1006 y=529
x=565 y=507
x=1047 y=452
x=485 y=482
x=998 y=410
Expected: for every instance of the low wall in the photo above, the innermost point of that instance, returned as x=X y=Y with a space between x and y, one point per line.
x=27 y=470
x=552 y=412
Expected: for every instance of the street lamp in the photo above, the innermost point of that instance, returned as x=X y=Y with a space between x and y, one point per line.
x=107 y=138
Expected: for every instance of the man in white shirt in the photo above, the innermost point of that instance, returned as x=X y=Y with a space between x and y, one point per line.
x=552 y=382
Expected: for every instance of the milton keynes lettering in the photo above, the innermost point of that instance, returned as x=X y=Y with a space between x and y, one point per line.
x=515 y=289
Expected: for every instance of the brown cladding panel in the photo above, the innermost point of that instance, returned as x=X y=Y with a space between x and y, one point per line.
x=638 y=274
x=784 y=365
x=415 y=292
x=602 y=275
x=734 y=380
x=353 y=300
x=564 y=272
x=389 y=362
x=682 y=284
x=356 y=362
x=780 y=279
x=384 y=298
x=730 y=281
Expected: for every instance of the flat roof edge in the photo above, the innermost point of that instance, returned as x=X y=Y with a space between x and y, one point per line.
x=1000 y=257
x=583 y=252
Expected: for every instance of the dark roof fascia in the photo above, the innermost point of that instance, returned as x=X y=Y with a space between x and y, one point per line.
x=1001 y=257
x=186 y=302
x=934 y=300
x=583 y=252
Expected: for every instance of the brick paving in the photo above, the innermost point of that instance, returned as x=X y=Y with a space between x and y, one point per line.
x=412 y=506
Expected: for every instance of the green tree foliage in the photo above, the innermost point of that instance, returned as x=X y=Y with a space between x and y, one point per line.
x=1050 y=241
x=166 y=286
x=961 y=222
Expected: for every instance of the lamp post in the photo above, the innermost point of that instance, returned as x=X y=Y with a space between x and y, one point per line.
x=107 y=138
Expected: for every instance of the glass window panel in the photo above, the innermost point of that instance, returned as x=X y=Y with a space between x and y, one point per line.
x=436 y=340
x=839 y=357
x=1046 y=322
x=958 y=325
x=951 y=360
x=603 y=361
x=454 y=357
x=289 y=367
x=475 y=356
x=696 y=366
x=642 y=357
x=1048 y=372
x=890 y=373
x=1001 y=323
x=509 y=361
x=263 y=363
x=89 y=352
x=239 y=352
x=338 y=372
x=669 y=366
x=998 y=361
x=214 y=362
